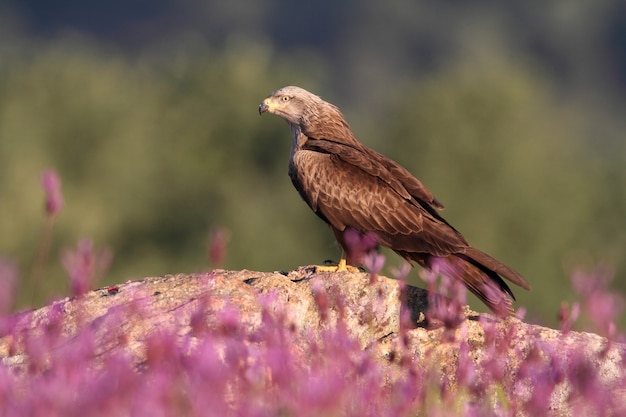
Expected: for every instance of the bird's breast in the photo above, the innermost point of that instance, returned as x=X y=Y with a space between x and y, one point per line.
x=309 y=172
x=307 y=163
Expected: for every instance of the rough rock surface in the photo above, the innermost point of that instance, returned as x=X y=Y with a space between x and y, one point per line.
x=370 y=307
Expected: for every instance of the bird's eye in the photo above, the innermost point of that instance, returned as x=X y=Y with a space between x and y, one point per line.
x=285 y=98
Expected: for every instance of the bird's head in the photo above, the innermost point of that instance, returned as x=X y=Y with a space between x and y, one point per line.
x=294 y=104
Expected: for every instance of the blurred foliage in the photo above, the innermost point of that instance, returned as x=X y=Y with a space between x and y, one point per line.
x=517 y=177
x=151 y=153
x=157 y=147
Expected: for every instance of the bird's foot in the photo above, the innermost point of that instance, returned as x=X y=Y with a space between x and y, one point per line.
x=341 y=267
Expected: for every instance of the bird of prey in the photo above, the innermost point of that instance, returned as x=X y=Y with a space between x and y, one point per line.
x=352 y=187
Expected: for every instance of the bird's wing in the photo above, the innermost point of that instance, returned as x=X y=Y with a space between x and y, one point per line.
x=377 y=165
x=349 y=188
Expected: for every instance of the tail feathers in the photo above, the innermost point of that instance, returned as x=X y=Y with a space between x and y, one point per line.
x=485 y=284
x=496 y=266
x=480 y=273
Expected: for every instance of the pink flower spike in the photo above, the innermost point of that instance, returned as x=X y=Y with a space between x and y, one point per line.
x=84 y=265
x=218 y=245
x=8 y=283
x=374 y=262
x=52 y=188
x=358 y=245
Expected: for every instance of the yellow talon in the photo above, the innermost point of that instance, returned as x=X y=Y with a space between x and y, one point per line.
x=341 y=267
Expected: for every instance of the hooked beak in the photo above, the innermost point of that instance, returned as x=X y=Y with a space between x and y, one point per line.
x=264 y=106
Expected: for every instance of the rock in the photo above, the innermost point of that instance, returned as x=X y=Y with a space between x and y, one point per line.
x=519 y=356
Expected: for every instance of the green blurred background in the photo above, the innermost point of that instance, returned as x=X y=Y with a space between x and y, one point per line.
x=512 y=113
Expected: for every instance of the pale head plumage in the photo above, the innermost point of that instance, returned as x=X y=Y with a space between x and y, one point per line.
x=296 y=105
x=307 y=113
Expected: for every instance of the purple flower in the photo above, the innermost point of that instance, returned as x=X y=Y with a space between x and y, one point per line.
x=8 y=281
x=466 y=371
x=52 y=188
x=445 y=304
x=568 y=316
x=600 y=304
x=359 y=245
x=321 y=298
x=218 y=245
x=402 y=271
x=84 y=265
x=374 y=262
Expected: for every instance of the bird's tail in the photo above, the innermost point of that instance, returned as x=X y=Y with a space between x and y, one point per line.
x=480 y=273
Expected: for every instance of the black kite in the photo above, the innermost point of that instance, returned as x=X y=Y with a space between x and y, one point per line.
x=351 y=186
